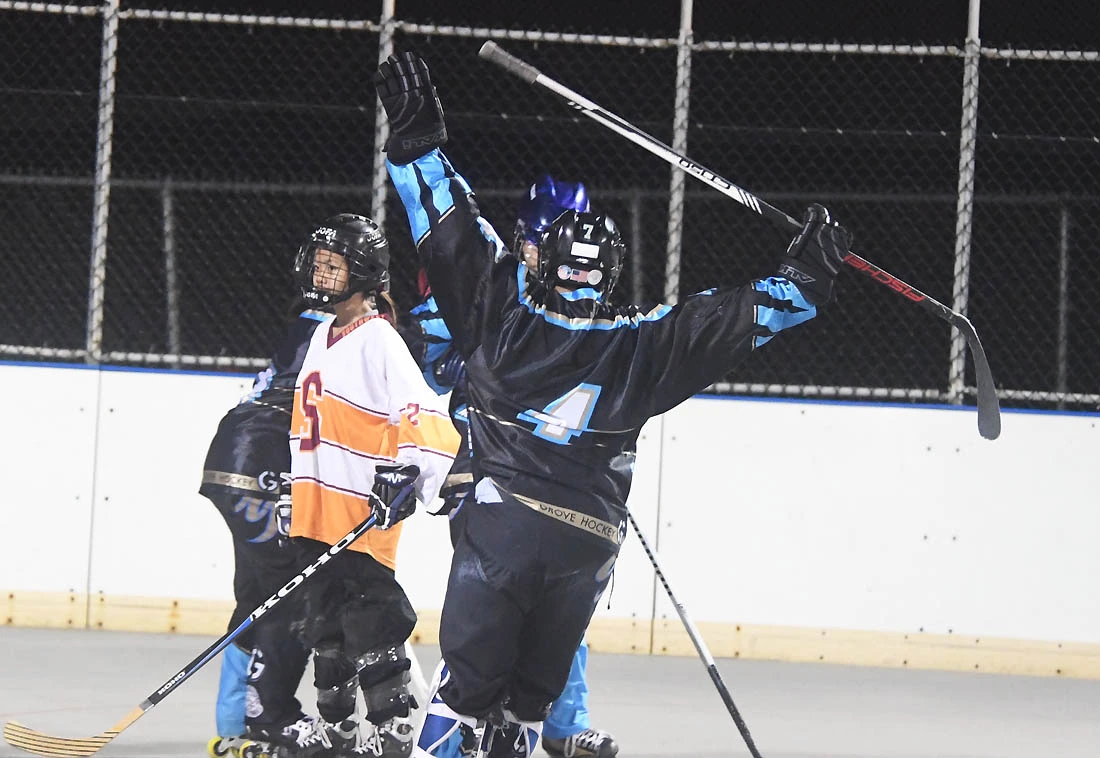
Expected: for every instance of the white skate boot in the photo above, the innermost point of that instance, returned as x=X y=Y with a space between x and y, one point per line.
x=308 y=737
x=392 y=739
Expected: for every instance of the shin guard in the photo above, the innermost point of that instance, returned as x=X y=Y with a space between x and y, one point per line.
x=446 y=733
x=335 y=679
x=384 y=677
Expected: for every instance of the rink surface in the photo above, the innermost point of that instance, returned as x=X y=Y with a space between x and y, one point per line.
x=79 y=683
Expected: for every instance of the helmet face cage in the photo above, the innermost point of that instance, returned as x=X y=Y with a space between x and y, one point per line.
x=582 y=250
x=361 y=243
x=545 y=201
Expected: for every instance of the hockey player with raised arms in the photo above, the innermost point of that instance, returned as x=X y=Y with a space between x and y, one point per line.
x=364 y=423
x=567 y=730
x=560 y=382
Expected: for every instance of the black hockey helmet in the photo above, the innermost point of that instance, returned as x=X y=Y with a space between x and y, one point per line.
x=361 y=242
x=581 y=250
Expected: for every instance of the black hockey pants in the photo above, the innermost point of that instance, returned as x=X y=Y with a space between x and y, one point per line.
x=263 y=564
x=357 y=616
x=521 y=592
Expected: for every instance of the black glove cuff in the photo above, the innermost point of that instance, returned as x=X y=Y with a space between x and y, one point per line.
x=406 y=148
x=814 y=282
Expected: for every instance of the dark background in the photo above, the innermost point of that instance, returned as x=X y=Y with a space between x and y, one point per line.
x=254 y=134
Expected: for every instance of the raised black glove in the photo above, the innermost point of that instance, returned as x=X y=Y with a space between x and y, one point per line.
x=393 y=493
x=414 y=112
x=815 y=255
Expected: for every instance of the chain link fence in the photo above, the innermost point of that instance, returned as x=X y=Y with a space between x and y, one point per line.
x=160 y=169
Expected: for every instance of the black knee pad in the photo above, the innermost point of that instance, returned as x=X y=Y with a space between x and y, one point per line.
x=384 y=677
x=334 y=676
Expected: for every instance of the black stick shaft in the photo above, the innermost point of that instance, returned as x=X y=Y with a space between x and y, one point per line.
x=48 y=745
x=204 y=657
x=700 y=645
x=989 y=412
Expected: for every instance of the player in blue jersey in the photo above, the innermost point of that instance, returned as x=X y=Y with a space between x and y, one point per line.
x=560 y=381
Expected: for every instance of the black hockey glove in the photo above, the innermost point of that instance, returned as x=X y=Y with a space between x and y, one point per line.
x=449 y=367
x=282 y=515
x=454 y=491
x=815 y=255
x=393 y=498
x=413 y=109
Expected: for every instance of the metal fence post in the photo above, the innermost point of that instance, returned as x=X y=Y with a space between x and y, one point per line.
x=379 y=176
x=636 y=268
x=1061 y=383
x=679 y=144
x=171 y=279
x=964 y=212
x=101 y=205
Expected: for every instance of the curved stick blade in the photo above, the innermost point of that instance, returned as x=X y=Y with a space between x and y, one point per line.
x=989 y=407
x=33 y=741
x=25 y=738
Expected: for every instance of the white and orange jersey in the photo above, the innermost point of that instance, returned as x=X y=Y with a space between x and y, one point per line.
x=361 y=401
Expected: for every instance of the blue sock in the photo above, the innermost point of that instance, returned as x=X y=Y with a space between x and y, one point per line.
x=569 y=713
x=229 y=710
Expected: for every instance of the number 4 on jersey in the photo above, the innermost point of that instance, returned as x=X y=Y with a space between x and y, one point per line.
x=565 y=418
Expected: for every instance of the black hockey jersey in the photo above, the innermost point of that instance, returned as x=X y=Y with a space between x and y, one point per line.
x=252 y=445
x=429 y=341
x=426 y=335
x=560 y=384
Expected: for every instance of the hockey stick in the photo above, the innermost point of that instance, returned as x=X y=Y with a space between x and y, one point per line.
x=700 y=645
x=989 y=412
x=36 y=742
